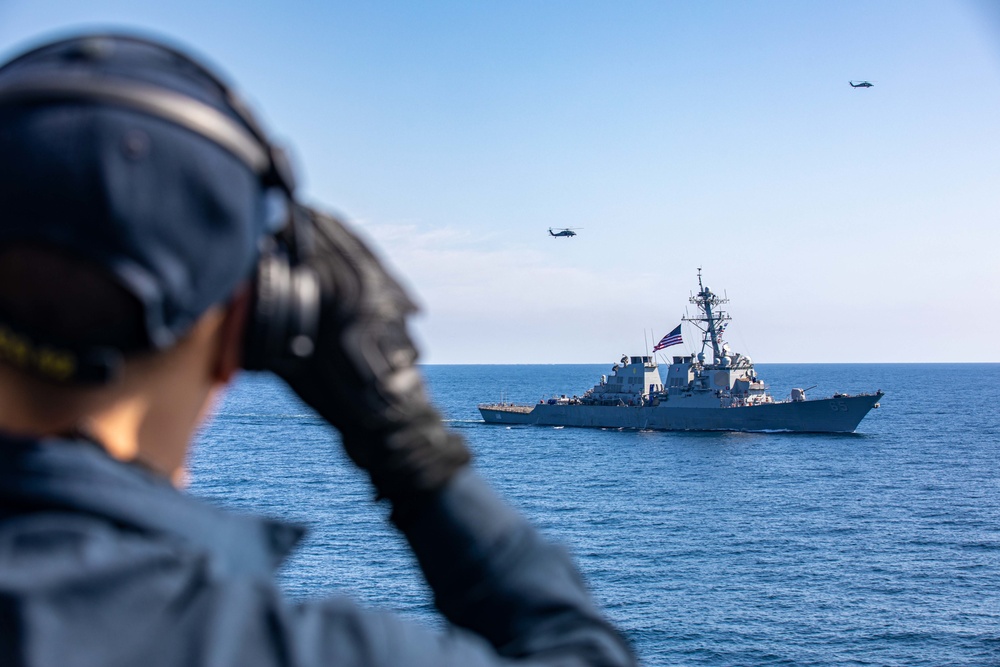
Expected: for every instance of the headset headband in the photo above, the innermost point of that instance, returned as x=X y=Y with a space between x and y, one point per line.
x=244 y=139
x=175 y=107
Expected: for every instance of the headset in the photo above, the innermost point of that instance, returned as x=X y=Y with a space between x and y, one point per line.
x=284 y=316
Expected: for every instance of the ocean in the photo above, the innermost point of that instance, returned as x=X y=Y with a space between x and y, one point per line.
x=875 y=548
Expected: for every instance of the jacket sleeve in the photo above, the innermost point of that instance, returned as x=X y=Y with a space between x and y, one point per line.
x=510 y=596
x=495 y=576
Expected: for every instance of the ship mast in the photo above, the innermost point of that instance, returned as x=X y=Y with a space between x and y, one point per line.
x=711 y=323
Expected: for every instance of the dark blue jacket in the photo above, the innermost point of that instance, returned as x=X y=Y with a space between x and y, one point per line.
x=105 y=564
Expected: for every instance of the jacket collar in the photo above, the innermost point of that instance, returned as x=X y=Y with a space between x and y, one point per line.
x=77 y=475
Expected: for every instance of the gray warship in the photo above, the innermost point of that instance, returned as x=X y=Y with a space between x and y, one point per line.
x=722 y=395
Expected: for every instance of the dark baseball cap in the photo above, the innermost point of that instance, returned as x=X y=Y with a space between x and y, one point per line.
x=127 y=153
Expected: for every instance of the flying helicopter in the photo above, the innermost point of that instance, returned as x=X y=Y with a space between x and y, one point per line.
x=566 y=231
x=861 y=84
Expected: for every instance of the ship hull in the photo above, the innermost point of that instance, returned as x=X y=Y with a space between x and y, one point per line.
x=828 y=415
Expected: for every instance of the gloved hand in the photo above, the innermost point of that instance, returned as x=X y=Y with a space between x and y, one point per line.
x=362 y=376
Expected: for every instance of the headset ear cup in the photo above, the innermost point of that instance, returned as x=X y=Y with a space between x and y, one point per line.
x=284 y=315
x=269 y=299
x=303 y=333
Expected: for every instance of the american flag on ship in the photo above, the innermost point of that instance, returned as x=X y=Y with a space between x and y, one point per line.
x=672 y=338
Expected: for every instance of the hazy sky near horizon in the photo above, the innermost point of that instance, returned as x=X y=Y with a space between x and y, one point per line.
x=846 y=225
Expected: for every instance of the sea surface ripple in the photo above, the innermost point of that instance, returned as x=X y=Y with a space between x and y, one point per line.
x=876 y=548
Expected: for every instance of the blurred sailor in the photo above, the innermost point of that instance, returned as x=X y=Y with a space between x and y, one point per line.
x=150 y=247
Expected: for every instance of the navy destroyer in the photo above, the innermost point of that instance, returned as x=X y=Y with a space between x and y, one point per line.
x=724 y=394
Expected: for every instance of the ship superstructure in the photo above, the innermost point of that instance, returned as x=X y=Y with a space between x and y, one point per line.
x=729 y=375
x=721 y=393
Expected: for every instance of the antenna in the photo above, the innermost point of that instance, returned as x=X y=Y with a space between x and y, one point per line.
x=710 y=319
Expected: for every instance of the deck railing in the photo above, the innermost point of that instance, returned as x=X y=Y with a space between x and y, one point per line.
x=507 y=407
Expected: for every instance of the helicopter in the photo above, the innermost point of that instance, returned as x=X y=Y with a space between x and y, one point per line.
x=566 y=231
x=861 y=84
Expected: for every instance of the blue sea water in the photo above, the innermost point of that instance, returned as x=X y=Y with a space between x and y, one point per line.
x=876 y=548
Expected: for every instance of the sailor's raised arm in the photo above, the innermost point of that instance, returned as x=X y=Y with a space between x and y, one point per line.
x=490 y=571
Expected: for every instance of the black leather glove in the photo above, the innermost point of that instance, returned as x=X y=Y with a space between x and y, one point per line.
x=362 y=376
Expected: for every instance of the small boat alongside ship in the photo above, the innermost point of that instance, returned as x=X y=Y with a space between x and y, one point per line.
x=723 y=394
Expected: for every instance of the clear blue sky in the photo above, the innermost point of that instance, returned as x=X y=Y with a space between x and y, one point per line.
x=845 y=225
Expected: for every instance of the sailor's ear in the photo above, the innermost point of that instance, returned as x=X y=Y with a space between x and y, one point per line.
x=229 y=351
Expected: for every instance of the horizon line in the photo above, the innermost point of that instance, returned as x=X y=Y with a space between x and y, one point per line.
x=764 y=363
